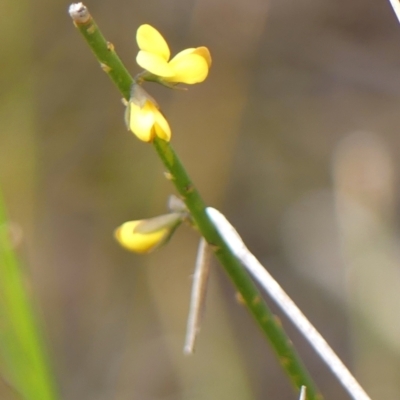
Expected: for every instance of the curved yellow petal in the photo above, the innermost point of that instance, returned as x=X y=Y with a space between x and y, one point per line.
x=184 y=53
x=201 y=51
x=205 y=53
x=161 y=126
x=154 y=64
x=139 y=242
x=189 y=68
x=141 y=121
x=150 y=40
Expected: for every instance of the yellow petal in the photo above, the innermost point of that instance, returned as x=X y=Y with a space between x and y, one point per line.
x=139 y=242
x=141 y=121
x=154 y=64
x=205 y=53
x=184 y=53
x=189 y=68
x=201 y=51
x=150 y=40
x=161 y=126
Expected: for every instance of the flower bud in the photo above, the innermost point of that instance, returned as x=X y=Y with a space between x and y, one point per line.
x=146 y=235
x=143 y=117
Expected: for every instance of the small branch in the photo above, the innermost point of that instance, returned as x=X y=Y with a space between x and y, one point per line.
x=197 y=300
x=271 y=286
x=104 y=51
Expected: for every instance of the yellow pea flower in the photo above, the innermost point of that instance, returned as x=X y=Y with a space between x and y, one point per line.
x=144 y=118
x=189 y=66
x=144 y=236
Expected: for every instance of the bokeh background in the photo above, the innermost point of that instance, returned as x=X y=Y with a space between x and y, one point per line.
x=294 y=137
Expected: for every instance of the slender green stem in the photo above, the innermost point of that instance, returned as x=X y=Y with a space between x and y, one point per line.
x=103 y=50
x=269 y=324
x=24 y=360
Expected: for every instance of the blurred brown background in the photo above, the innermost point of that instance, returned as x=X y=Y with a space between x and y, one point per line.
x=294 y=136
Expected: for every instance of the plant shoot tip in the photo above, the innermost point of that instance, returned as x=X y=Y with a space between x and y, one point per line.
x=79 y=13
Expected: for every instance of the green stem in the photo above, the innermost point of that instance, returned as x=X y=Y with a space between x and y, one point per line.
x=269 y=324
x=21 y=345
x=104 y=51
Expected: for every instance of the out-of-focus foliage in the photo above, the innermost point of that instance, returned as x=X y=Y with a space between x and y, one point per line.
x=24 y=365
x=296 y=87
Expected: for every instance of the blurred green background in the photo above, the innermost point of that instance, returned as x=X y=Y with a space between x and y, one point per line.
x=293 y=136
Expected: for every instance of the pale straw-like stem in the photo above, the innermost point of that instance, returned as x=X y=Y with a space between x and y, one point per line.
x=302 y=393
x=198 y=295
x=271 y=286
x=396 y=8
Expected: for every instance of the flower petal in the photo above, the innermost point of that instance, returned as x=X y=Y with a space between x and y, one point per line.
x=184 y=53
x=141 y=121
x=205 y=53
x=188 y=68
x=150 y=40
x=140 y=242
x=161 y=127
x=201 y=51
x=154 y=64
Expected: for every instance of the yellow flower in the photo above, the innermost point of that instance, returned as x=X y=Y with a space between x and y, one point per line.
x=189 y=66
x=144 y=236
x=144 y=118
